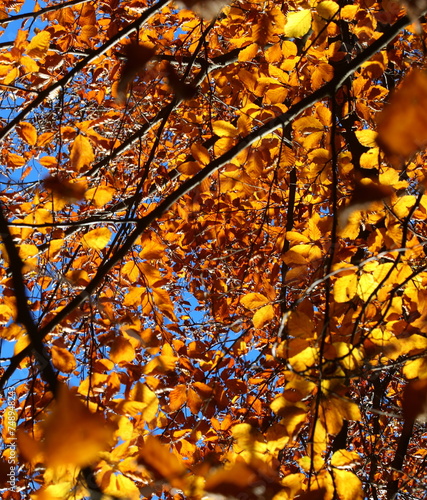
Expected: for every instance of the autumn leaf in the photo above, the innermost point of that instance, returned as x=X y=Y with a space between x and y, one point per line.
x=136 y=56
x=81 y=155
x=208 y=9
x=298 y=23
x=63 y=360
x=402 y=125
x=96 y=238
x=65 y=190
x=28 y=132
x=73 y=435
x=156 y=457
x=39 y=45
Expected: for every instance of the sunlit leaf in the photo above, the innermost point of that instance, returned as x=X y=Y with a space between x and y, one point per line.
x=254 y=300
x=81 y=153
x=63 y=359
x=39 y=45
x=402 y=125
x=97 y=238
x=263 y=316
x=28 y=132
x=298 y=23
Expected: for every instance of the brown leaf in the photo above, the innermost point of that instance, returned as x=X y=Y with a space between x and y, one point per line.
x=137 y=56
x=66 y=190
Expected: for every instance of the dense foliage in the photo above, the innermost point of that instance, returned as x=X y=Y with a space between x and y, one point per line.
x=213 y=276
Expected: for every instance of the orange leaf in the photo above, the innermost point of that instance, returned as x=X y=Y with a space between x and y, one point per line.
x=253 y=300
x=28 y=132
x=122 y=351
x=402 y=125
x=81 y=153
x=159 y=460
x=177 y=397
x=63 y=360
x=97 y=238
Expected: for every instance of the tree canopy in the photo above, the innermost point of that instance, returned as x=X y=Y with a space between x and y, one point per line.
x=213 y=275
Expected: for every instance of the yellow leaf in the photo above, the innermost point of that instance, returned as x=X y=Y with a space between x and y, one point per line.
x=5 y=314
x=366 y=286
x=327 y=9
x=97 y=238
x=11 y=76
x=100 y=195
x=249 y=52
x=416 y=368
x=30 y=66
x=307 y=124
x=342 y=458
x=81 y=153
x=119 y=486
x=345 y=288
x=122 y=351
x=403 y=205
x=298 y=23
x=348 y=485
x=367 y=138
x=12 y=332
x=224 y=129
x=63 y=360
x=21 y=344
x=39 y=45
x=28 y=132
x=130 y=269
x=305 y=359
x=254 y=300
x=263 y=316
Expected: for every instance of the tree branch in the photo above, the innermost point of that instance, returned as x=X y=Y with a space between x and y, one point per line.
x=258 y=133
x=5 y=131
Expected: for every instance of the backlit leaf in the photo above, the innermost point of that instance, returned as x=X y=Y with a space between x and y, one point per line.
x=345 y=288
x=254 y=300
x=28 y=132
x=97 y=238
x=63 y=359
x=348 y=485
x=402 y=125
x=224 y=129
x=39 y=45
x=263 y=316
x=81 y=153
x=298 y=23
